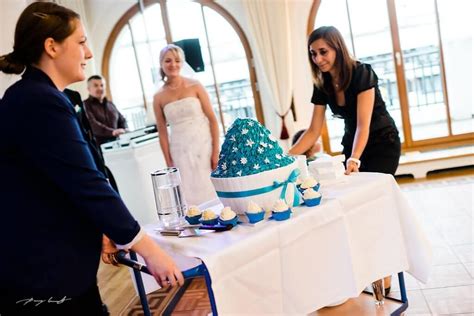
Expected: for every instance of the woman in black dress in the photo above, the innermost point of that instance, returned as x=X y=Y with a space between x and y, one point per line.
x=350 y=88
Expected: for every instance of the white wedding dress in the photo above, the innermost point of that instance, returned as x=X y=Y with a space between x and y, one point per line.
x=190 y=148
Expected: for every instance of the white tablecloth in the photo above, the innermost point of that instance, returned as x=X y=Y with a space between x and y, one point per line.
x=363 y=230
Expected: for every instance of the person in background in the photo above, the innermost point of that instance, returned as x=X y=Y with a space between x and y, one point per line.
x=350 y=88
x=313 y=150
x=193 y=142
x=56 y=204
x=106 y=121
x=76 y=100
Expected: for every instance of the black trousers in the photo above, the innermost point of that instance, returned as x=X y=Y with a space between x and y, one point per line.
x=381 y=154
x=89 y=303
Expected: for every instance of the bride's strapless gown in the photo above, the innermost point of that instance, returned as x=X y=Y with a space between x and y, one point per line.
x=191 y=148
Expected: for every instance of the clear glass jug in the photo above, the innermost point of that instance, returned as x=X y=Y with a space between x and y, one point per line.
x=170 y=202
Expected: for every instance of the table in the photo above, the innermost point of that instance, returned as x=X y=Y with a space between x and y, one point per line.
x=363 y=230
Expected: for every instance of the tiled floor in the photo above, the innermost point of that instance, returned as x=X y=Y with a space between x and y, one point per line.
x=445 y=210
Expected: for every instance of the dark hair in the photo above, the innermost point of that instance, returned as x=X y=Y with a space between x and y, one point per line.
x=38 y=22
x=344 y=61
x=94 y=77
x=297 y=136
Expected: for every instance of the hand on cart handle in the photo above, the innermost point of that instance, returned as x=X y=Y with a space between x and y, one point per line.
x=108 y=251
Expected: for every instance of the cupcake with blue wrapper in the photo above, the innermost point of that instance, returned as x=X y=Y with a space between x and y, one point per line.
x=281 y=211
x=254 y=212
x=209 y=217
x=311 y=197
x=309 y=183
x=253 y=167
x=193 y=215
x=228 y=217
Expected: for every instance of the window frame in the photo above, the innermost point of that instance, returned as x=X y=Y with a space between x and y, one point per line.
x=141 y=5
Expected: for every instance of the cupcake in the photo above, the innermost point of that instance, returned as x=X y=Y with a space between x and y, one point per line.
x=281 y=211
x=311 y=197
x=193 y=215
x=228 y=217
x=254 y=212
x=308 y=183
x=209 y=217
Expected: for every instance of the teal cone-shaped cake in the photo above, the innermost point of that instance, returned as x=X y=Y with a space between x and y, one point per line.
x=250 y=161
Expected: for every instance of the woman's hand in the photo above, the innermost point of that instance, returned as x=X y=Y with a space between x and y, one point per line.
x=163 y=268
x=351 y=166
x=108 y=251
x=170 y=163
x=214 y=160
x=160 y=264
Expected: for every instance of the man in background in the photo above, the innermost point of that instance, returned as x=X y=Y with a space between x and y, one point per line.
x=106 y=121
x=76 y=100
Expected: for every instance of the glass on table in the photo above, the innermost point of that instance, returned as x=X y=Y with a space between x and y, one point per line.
x=169 y=199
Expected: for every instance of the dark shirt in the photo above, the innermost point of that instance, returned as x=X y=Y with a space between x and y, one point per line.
x=104 y=118
x=363 y=78
x=56 y=204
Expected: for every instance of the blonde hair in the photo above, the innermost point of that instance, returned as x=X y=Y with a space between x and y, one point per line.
x=170 y=48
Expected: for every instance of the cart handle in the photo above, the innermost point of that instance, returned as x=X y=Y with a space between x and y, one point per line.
x=121 y=257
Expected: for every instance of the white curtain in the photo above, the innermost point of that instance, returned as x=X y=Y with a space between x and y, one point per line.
x=269 y=25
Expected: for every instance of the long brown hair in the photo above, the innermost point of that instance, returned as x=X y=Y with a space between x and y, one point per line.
x=344 y=61
x=38 y=22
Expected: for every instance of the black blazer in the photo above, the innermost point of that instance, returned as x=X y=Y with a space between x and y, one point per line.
x=55 y=203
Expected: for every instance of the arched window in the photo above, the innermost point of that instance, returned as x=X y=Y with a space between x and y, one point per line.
x=417 y=54
x=131 y=58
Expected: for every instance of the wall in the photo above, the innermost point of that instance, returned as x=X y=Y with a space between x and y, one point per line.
x=10 y=10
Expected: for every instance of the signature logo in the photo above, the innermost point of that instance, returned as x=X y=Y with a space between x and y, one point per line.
x=50 y=300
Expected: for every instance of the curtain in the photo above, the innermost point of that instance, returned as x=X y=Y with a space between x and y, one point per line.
x=269 y=24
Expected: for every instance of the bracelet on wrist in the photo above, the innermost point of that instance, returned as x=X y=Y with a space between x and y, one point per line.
x=354 y=160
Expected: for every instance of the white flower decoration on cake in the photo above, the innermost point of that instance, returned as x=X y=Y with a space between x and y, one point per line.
x=260 y=150
x=263 y=144
x=266 y=160
x=249 y=143
x=243 y=160
x=250 y=123
x=239 y=173
x=270 y=145
x=244 y=131
x=232 y=138
x=234 y=162
x=235 y=149
x=224 y=166
x=278 y=156
x=256 y=166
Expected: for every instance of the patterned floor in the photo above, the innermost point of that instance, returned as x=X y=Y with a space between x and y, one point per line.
x=194 y=302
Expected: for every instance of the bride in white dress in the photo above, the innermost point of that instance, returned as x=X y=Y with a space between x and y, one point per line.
x=192 y=144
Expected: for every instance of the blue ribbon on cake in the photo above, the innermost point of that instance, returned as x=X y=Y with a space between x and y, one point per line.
x=276 y=184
